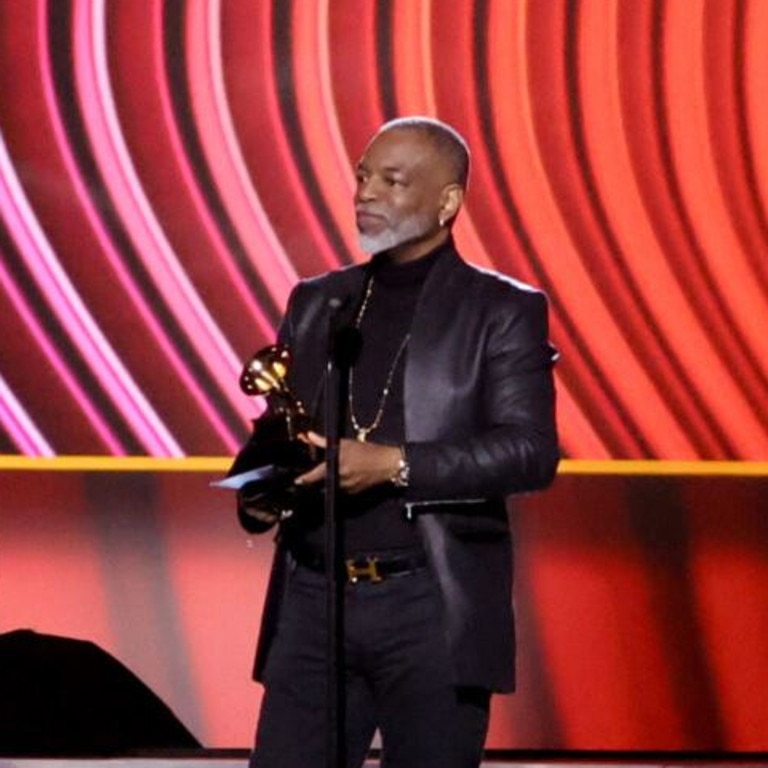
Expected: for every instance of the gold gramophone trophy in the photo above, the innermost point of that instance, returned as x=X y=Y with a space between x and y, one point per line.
x=266 y=466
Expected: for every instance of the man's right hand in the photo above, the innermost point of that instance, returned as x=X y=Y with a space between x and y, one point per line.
x=250 y=506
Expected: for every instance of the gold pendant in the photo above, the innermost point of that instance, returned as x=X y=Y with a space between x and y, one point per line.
x=361 y=435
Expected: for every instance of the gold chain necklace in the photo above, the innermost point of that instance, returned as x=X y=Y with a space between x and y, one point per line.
x=361 y=432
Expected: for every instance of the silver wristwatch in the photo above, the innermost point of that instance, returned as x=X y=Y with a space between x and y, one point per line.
x=402 y=476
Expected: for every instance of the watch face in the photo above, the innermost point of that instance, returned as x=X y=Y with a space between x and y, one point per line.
x=403 y=474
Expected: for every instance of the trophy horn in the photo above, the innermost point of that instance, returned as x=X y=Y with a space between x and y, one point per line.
x=265 y=374
x=266 y=371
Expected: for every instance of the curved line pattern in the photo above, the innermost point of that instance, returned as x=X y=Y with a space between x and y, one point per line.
x=171 y=169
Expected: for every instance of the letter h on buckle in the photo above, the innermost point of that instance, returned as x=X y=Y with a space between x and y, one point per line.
x=367 y=572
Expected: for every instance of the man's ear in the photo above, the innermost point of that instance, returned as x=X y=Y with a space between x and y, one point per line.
x=452 y=199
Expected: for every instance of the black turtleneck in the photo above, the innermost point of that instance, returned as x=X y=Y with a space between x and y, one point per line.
x=374 y=520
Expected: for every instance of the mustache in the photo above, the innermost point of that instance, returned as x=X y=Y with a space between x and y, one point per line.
x=362 y=210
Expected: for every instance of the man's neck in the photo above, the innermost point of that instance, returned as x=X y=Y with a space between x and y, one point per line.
x=414 y=250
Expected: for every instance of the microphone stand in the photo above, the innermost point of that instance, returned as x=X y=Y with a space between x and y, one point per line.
x=335 y=380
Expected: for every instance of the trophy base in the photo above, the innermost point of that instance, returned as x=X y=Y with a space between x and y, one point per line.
x=264 y=470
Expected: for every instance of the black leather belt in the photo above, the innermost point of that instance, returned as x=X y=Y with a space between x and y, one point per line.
x=373 y=567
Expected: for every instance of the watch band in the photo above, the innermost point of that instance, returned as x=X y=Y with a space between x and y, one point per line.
x=402 y=476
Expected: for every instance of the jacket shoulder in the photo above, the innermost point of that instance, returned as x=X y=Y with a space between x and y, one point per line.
x=329 y=281
x=310 y=299
x=493 y=285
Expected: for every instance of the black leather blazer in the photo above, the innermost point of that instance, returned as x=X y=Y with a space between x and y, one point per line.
x=480 y=425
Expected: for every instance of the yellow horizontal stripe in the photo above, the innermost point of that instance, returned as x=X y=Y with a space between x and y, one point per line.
x=621 y=467
x=116 y=463
x=219 y=464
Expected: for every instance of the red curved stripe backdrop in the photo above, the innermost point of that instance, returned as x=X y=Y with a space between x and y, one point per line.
x=168 y=170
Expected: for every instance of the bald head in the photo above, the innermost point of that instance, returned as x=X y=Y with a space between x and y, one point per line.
x=448 y=143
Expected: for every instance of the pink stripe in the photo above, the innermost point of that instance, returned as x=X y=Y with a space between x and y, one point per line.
x=143 y=310
x=19 y=425
x=223 y=153
x=48 y=348
x=136 y=213
x=241 y=287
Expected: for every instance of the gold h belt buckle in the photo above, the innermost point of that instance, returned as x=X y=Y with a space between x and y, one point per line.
x=369 y=571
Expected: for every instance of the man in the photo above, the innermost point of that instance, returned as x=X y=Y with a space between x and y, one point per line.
x=449 y=408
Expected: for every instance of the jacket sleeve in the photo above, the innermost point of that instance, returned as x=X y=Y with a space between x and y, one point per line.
x=514 y=448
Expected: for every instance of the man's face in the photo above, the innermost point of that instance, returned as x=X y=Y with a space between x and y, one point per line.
x=400 y=184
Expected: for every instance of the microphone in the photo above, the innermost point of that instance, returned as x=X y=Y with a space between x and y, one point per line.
x=345 y=339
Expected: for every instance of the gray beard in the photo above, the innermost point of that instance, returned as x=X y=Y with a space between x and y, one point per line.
x=409 y=229
x=377 y=243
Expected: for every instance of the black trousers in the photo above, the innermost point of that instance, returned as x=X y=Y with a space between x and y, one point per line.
x=398 y=679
